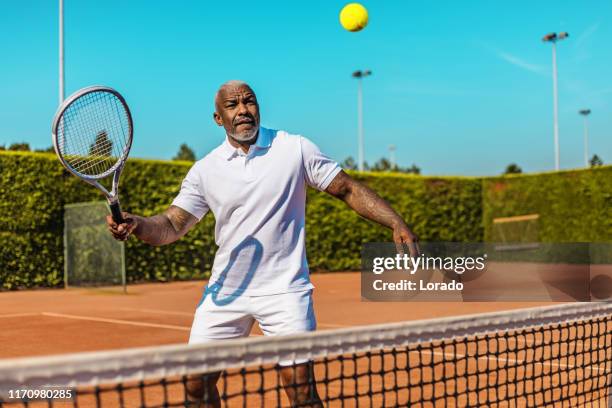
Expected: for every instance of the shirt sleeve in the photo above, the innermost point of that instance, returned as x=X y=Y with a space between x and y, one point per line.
x=191 y=197
x=320 y=170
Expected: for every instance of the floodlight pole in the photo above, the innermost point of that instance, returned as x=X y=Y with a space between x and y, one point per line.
x=553 y=38
x=392 y=156
x=555 y=107
x=61 y=51
x=360 y=75
x=585 y=113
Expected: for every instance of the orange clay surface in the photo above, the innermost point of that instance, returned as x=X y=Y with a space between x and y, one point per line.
x=43 y=322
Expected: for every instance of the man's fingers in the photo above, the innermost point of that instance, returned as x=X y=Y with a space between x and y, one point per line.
x=414 y=249
x=121 y=232
x=412 y=242
x=127 y=226
x=118 y=235
x=110 y=222
x=405 y=237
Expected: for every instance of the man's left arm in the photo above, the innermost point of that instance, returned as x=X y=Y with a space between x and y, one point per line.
x=365 y=202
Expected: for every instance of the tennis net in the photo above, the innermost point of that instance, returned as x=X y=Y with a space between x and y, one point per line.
x=559 y=356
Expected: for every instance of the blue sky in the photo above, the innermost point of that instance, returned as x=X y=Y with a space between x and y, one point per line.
x=460 y=87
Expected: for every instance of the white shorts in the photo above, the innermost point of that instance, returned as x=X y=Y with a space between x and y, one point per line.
x=226 y=317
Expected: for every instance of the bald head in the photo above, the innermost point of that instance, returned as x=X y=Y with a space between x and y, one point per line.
x=237 y=110
x=229 y=86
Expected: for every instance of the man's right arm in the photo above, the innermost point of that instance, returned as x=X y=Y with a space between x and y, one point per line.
x=161 y=229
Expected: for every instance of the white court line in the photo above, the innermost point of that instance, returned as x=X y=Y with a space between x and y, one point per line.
x=157 y=311
x=19 y=315
x=168 y=312
x=116 y=321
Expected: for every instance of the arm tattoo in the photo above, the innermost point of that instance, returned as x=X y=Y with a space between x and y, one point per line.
x=179 y=218
x=166 y=227
x=363 y=200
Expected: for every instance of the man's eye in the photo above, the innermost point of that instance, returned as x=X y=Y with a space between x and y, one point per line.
x=230 y=105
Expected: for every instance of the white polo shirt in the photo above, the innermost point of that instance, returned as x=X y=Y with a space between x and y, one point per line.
x=258 y=200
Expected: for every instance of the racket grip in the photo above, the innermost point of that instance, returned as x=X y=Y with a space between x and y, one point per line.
x=116 y=212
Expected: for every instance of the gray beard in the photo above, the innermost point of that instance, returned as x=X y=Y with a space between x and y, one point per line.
x=245 y=138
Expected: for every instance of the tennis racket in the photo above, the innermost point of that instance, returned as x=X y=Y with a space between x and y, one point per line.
x=92 y=135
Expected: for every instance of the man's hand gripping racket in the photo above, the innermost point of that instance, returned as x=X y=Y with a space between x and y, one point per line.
x=92 y=136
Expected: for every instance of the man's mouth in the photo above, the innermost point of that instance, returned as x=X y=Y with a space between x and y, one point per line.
x=244 y=122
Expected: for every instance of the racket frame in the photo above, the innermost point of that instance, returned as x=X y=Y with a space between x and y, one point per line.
x=113 y=195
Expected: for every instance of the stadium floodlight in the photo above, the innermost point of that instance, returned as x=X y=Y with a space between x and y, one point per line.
x=585 y=113
x=359 y=75
x=553 y=38
x=392 y=156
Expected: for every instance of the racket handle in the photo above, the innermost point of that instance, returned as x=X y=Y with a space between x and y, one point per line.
x=116 y=212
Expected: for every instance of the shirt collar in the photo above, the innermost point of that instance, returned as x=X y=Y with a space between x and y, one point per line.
x=264 y=141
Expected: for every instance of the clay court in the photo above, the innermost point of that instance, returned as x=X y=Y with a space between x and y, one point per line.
x=52 y=322
x=43 y=322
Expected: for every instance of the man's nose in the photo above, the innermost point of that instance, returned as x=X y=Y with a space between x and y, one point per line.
x=242 y=108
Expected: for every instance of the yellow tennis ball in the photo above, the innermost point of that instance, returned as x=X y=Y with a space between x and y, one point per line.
x=353 y=17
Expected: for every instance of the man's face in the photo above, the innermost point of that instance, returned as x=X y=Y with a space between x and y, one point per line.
x=238 y=112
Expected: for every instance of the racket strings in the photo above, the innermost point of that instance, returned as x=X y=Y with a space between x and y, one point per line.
x=100 y=147
x=86 y=154
x=94 y=132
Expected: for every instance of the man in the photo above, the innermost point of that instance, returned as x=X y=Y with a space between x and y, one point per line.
x=255 y=185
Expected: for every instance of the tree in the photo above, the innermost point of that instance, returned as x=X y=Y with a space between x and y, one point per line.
x=414 y=169
x=349 y=163
x=103 y=146
x=596 y=161
x=2 y=147
x=513 y=168
x=20 y=147
x=185 y=153
x=49 y=149
x=382 y=165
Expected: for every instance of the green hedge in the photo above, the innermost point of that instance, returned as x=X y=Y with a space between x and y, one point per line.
x=574 y=206
x=34 y=189
x=438 y=209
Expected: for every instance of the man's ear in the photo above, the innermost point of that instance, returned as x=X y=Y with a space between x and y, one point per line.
x=217 y=119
